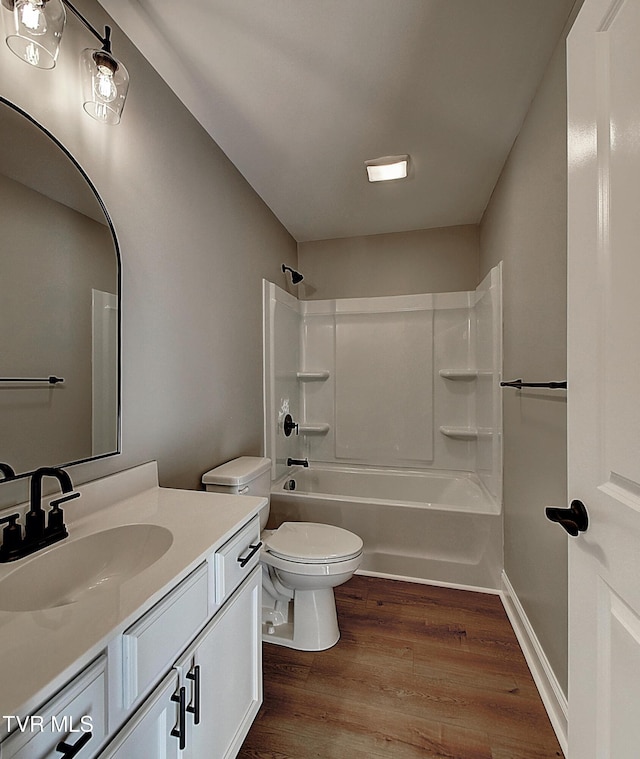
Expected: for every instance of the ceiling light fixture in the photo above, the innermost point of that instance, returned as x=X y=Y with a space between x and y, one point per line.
x=387 y=167
x=35 y=38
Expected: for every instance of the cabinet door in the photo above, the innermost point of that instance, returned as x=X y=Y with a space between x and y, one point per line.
x=226 y=663
x=154 y=730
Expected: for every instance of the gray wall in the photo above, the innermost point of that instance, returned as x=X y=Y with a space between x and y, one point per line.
x=45 y=309
x=525 y=226
x=424 y=261
x=196 y=242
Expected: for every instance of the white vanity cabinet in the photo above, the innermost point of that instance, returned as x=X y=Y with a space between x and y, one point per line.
x=179 y=676
x=205 y=705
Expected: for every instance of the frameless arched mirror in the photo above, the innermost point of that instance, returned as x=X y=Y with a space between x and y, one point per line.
x=59 y=304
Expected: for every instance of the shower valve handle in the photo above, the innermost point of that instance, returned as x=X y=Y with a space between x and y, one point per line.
x=289 y=425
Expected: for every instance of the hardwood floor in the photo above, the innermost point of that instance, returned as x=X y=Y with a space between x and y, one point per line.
x=419 y=672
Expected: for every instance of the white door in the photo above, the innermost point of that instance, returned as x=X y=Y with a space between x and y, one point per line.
x=604 y=379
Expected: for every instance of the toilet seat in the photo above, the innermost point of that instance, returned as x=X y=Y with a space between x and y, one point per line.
x=313 y=543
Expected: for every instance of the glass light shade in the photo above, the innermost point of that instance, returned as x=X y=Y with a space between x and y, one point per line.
x=105 y=82
x=37 y=31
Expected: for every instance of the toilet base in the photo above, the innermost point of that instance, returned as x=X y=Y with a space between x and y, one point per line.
x=310 y=625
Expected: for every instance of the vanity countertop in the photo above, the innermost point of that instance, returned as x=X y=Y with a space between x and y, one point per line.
x=41 y=650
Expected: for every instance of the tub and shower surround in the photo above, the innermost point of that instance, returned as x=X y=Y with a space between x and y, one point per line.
x=282 y=330
x=398 y=407
x=417 y=525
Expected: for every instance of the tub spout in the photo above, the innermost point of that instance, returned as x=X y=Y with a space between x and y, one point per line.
x=297 y=462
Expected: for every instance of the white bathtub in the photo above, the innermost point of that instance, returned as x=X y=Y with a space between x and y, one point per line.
x=436 y=527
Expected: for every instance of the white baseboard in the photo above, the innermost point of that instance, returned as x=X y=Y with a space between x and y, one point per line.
x=435 y=583
x=553 y=698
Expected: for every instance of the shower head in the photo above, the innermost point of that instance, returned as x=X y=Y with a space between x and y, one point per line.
x=296 y=277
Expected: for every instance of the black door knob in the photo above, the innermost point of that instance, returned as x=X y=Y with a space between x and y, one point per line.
x=574 y=519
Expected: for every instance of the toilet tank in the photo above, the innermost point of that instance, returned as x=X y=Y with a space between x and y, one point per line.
x=247 y=475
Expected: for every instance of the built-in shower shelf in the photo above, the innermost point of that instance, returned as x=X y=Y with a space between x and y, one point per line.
x=313 y=429
x=313 y=376
x=463 y=375
x=460 y=433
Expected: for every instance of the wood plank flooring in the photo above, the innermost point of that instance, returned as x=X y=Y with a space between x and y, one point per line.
x=420 y=672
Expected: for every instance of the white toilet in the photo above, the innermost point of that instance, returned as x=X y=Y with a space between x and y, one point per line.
x=301 y=563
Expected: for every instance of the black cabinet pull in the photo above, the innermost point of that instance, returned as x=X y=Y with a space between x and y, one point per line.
x=194 y=706
x=574 y=519
x=180 y=730
x=68 y=750
x=244 y=560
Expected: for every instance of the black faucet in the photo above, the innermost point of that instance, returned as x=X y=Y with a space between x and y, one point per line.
x=36 y=535
x=34 y=530
x=297 y=462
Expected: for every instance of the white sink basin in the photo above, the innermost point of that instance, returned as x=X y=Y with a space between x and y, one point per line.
x=66 y=572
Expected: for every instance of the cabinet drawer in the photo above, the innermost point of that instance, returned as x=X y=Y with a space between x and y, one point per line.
x=153 y=642
x=231 y=565
x=76 y=717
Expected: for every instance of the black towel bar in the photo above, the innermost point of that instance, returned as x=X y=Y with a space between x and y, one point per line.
x=519 y=384
x=51 y=380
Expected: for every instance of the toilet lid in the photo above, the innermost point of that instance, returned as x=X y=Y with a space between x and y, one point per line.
x=311 y=543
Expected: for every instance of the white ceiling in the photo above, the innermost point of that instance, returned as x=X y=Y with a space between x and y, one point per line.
x=299 y=93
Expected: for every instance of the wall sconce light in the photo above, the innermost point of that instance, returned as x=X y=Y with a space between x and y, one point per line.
x=35 y=38
x=38 y=26
x=387 y=167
